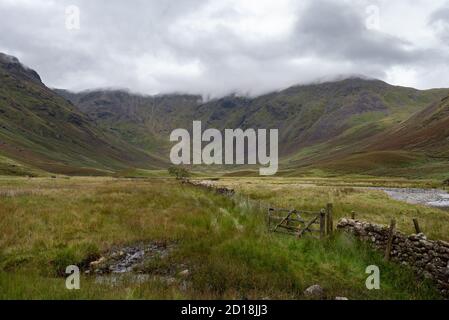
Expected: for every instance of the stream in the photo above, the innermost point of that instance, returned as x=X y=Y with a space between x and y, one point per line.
x=436 y=198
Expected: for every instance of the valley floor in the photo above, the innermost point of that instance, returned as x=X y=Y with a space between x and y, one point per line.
x=47 y=224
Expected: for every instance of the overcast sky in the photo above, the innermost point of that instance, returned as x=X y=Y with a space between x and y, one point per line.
x=217 y=47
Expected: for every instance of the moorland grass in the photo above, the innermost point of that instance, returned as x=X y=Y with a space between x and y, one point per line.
x=46 y=224
x=346 y=196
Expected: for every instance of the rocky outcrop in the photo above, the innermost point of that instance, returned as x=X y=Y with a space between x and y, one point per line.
x=13 y=65
x=428 y=258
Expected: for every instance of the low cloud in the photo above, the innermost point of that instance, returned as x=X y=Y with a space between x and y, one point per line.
x=439 y=21
x=217 y=47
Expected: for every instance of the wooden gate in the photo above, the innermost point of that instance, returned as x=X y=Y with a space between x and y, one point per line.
x=301 y=222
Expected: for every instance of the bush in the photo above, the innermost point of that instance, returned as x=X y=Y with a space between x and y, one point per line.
x=180 y=173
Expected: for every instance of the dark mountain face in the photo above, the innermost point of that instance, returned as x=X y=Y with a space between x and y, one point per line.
x=143 y=121
x=13 y=66
x=41 y=128
x=343 y=112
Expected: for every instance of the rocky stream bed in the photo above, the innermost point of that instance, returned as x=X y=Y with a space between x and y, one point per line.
x=429 y=197
x=139 y=263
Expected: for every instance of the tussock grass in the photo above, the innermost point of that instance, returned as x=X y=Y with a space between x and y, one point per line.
x=224 y=242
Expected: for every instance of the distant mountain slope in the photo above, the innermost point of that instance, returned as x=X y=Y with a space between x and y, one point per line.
x=42 y=129
x=426 y=131
x=342 y=112
x=144 y=121
x=354 y=125
x=314 y=121
x=417 y=147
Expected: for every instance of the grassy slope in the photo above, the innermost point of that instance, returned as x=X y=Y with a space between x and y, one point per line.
x=143 y=121
x=415 y=148
x=319 y=125
x=10 y=167
x=427 y=131
x=224 y=243
x=41 y=129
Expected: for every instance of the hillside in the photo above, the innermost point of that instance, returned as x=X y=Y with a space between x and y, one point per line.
x=144 y=121
x=417 y=147
x=350 y=126
x=427 y=131
x=41 y=130
x=317 y=123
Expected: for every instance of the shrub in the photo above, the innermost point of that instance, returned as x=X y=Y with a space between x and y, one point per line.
x=180 y=173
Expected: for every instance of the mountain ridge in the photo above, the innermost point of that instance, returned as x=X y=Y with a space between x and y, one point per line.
x=43 y=130
x=105 y=131
x=305 y=115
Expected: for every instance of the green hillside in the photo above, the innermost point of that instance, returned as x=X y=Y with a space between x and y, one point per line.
x=318 y=124
x=143 y=121
x=43 y=130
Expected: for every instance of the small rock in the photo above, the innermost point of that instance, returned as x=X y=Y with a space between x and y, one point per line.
x=170 y=280
x=99 y=261
x=421 y=236
x=341 y=298
x=314 y=291
x=184 y=273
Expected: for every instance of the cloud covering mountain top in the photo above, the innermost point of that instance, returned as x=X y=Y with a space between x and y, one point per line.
x=217 y=47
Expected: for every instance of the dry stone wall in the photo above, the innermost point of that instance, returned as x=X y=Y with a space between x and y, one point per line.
x=428 y=258
x=209 y=185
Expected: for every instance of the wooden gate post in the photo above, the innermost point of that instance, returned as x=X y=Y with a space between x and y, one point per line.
x=322 y=223
x=417 y=228
x=330 y=219
x=390 y=239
